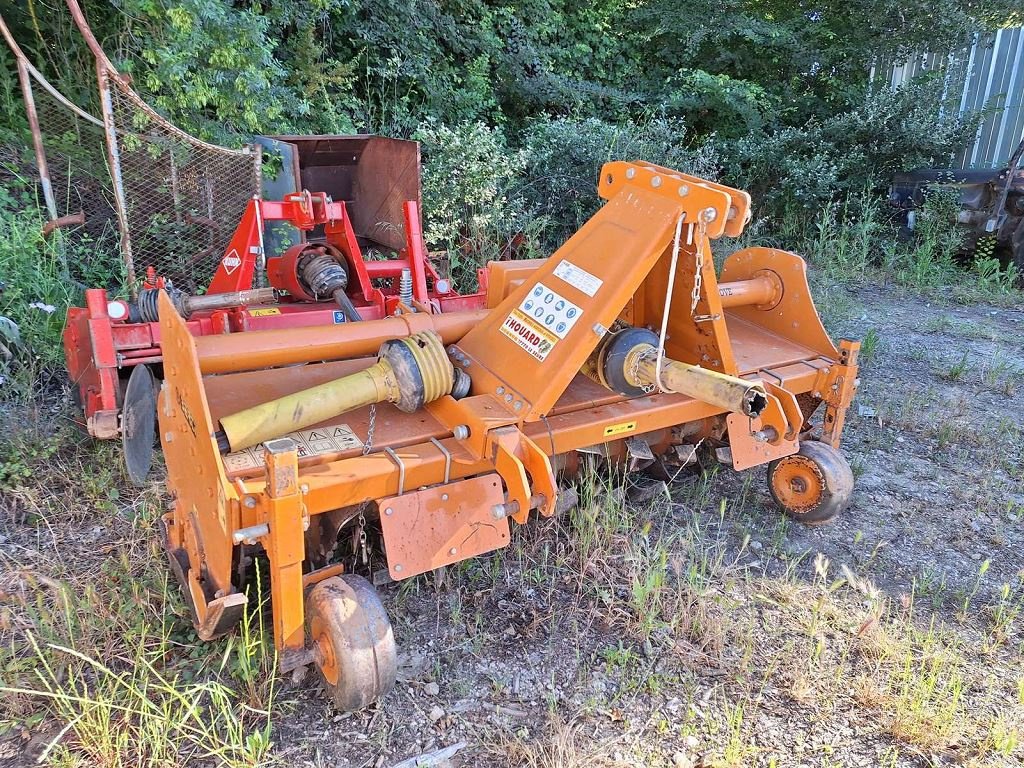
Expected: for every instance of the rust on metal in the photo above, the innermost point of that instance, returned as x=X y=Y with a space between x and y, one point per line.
x=71 y=220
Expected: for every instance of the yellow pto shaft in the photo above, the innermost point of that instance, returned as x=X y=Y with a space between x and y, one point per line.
x=628 y=363
x=409 y=372
x=725 y=391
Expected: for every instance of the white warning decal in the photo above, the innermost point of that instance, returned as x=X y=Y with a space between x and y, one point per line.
x=540 y=320
x=551 y=311
x=578 y=277
x=309 y=442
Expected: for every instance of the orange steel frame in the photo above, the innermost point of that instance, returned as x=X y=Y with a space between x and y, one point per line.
x=460 y=469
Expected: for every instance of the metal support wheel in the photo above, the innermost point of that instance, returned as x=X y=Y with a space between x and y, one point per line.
x=352 y=640
x=813 y=485
x=138 y=424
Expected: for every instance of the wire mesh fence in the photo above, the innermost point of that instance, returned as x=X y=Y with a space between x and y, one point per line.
x=75 y=155
x=129 y=178
x=182 y=197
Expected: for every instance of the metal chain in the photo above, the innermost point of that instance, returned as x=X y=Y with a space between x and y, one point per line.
x=698 y=264
x=364 y=554
x=634 y=374
x=368 y=445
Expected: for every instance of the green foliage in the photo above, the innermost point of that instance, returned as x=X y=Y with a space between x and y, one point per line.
x=518 y=104
x=797 y=169
x=387 y=65
x=564 y=157
x=36 y=290
x=485 y=200
x=210 y=62
x=40 y=279
x=468 y=176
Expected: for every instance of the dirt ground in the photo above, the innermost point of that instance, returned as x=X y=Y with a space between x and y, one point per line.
x=699 y=627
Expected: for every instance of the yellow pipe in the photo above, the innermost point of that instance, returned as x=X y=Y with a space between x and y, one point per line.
x=409 y=372
x=309 y=406
x=718 y=389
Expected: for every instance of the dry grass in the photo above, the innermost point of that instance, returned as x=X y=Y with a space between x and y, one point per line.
x=707 y=655
x=100 y=664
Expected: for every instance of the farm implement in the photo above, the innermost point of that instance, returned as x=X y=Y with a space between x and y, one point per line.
x=320 y=454
x=310 y=252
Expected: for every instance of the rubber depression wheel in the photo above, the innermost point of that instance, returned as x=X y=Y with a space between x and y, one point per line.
x=813 y=485
x=355 y=647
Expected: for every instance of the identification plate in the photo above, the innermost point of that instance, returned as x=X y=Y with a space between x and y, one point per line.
x=578 y=277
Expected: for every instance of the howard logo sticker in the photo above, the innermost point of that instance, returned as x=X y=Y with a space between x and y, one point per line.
x=528 y=335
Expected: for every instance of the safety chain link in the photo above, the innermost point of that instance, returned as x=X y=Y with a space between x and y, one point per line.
x=363 y=549
x=698 y=265
x=368 y=445
x=634 y=373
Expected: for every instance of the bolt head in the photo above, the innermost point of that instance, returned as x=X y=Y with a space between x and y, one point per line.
x=389 y=511
x=249 y=502
x=398 y=568
x=444 y=497
x=453 y=551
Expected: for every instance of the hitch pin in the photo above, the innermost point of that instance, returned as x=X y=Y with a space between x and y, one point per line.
x=250 y=534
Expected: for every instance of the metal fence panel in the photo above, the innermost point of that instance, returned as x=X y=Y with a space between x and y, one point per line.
x=987 y=76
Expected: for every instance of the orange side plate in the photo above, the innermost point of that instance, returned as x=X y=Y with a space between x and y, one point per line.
x=427 y=529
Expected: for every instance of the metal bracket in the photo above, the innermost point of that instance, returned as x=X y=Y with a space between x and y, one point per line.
x=401 y=469
x=447 y=458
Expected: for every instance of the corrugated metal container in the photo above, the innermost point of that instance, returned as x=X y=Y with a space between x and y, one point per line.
x=989 y=75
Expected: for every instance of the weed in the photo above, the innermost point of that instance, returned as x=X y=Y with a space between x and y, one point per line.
x=869 y=345
x=992 y=276
x=956 y=371
x=99 y=650
x=1000 y=375
x=969 y=596
x=1003 y=615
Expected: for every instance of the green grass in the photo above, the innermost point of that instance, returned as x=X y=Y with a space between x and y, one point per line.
x=96 y=646
x=41 y=278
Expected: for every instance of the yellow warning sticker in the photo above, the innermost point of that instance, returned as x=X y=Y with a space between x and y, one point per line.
x=335 y=438
x=528 y=334
x=620 y=429
x=264 y=312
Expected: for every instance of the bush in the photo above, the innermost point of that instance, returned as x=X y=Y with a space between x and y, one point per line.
x=468 y=174
x=564 y=157
x=792 y=171
x=484 y=200
x=39 y=279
